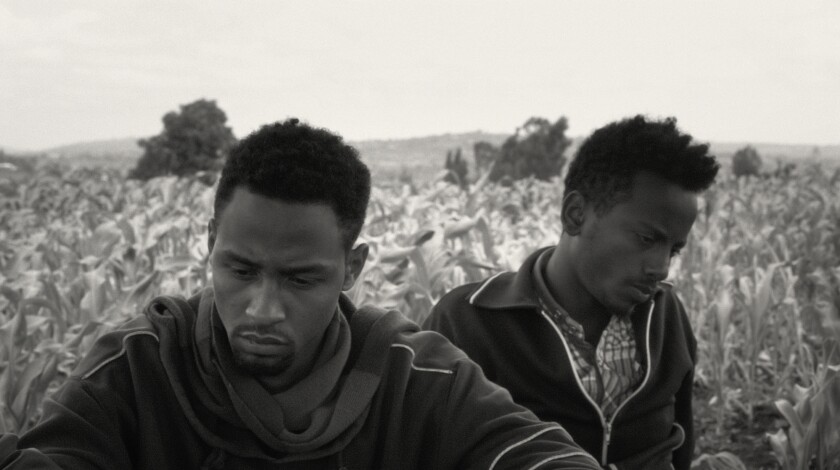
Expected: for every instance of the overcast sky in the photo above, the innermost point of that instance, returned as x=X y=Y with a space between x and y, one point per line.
x=738 y=71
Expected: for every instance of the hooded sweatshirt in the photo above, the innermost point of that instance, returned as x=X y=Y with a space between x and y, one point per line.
x=162 y=392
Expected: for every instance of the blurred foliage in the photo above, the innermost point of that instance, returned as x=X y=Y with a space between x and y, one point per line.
x=10 y=163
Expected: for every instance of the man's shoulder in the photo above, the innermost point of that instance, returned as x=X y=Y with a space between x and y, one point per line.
x=668 y=303
x=113 y=345
x=670 y=314
x=421 y=350
x=459 y=295
x=497 y=291
x=429 y=351
x=667 y=289
x=506 y=293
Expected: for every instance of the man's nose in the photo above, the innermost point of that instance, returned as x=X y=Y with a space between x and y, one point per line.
x=267 y=304
x=657 y=263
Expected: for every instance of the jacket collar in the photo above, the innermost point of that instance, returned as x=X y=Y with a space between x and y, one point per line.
x=510 y=290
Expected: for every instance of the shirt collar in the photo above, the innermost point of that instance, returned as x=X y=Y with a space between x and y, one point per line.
x=547 y=300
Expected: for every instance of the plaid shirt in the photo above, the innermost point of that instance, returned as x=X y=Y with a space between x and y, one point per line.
x=610 y=372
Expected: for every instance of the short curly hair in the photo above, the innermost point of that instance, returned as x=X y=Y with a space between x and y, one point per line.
x=292 y=161
x=605 y=164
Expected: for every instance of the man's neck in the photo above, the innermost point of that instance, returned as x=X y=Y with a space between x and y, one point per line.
x=566 y=291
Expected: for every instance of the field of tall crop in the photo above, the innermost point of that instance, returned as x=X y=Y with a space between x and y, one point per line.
x=81 y=250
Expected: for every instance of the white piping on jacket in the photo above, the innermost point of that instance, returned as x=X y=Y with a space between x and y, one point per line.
x=682 y=430
x=577 y=377
x=607 y=426
x=421 y=369
x=647 y=363
x=480 y=289
x=121 y=352
x=523 y=441
x=563 y=456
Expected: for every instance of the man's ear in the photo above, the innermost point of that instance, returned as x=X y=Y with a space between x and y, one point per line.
x=573 y=213
x=354 y=264
x=211 y=235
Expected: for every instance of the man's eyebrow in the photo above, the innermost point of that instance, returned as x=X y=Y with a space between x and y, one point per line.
x=311 y=268
x=644 y=225
x=231 y=255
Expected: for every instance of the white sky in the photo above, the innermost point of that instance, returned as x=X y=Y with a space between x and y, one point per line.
x=734 y=70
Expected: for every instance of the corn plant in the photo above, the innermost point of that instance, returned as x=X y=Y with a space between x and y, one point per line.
x=813 y=438
x=719 y=461
x=81 y=250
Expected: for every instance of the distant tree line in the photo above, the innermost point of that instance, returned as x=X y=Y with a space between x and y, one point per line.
x=196 y=140
x=536 y=149
x=10 y=162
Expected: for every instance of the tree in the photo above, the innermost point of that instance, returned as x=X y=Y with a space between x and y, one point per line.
x=456 y=168
x=485 y=155
x=746 y=161
x=193 y=140
x=535 y=149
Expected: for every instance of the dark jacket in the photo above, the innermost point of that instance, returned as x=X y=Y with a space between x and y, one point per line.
x=499 y=324
x=433 y=409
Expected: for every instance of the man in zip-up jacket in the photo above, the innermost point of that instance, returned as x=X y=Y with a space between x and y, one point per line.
x=272 y=366
x=587 y=333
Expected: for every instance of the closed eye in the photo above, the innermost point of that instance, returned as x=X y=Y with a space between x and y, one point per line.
x=302 y=282
x=646 y=239
x=242 y=273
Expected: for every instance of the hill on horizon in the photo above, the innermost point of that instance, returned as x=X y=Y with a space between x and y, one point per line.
x=419 y=157
x=386 y=157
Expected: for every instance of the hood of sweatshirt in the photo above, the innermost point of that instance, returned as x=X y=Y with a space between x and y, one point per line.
x=233 y=412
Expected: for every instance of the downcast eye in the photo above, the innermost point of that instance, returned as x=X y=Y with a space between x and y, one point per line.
x=301 y=282
x=646 y=239
x=242 y=273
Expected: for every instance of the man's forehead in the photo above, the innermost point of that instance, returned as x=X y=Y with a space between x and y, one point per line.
x=303 y=262
x=243 y=198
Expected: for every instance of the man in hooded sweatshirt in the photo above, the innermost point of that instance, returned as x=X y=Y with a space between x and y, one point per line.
x=272 y=366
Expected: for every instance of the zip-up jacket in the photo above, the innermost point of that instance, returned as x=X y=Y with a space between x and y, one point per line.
x=500 y=325
x=432 y=409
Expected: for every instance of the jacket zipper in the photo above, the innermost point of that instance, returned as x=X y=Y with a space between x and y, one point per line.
x=580 y=386
x=606 y=425
x=647 y=366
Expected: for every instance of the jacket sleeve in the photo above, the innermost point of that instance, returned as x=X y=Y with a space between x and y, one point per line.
x=11 y=457
x=79 y=430
x=486 y=429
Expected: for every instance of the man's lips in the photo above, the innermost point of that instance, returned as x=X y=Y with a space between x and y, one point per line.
x=264 y=338
x=644 y=291
x=261 y=344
